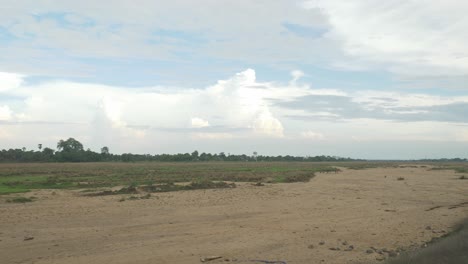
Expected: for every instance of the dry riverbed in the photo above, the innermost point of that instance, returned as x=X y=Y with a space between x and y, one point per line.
x=355 y=216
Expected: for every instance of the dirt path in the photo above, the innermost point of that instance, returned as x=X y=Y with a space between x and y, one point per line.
x=362 y=208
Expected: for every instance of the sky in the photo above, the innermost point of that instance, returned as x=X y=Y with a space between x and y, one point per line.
x=361 y=79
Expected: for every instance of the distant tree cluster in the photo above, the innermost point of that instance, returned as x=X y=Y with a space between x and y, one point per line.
x=71 y=150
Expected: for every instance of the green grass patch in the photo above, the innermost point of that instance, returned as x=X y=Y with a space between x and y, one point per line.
x=21 y=200
x=8 y=190
x=16 y=178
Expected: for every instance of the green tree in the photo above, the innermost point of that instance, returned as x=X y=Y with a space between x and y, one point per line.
x=105 y=150
x=69 y=145
x=71 y=150
x=48 y=152
x=195 y=155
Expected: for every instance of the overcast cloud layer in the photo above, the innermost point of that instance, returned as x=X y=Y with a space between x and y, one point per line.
x=364 y=79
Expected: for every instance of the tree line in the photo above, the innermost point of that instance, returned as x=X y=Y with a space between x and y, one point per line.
x=71 y=150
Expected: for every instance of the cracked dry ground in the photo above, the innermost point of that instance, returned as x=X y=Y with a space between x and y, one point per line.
x=296 y=222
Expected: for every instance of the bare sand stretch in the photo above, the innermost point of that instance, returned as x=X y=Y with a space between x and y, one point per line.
x=314 y=222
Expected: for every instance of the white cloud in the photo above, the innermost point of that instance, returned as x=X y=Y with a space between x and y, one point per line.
x=199 y=123
x=5 y=113
x=155 y=31
x=267 y=124
x=420 y=38
x=296 y=74
x=241 y=110
x=9 y=81
x=312 y=135
x=236 y=107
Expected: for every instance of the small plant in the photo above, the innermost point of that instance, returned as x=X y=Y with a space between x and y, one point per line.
x=21 y=200
x=400 y=179
x=463 y=177
x=122 y=199
x=303 y=177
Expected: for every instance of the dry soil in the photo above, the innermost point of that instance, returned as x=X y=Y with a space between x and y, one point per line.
x=287 y=222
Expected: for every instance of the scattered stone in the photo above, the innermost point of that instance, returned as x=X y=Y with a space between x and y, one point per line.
x=258 y=184
x=369 y=251
x=310 y=246
x=380 y=258
x=322 y=243
x=350 y=248
x=392 y=254
x=379 y=251
x=210 y=258
x=26 y=238
x=335 y=248
x=428 y=227
x=344 y=243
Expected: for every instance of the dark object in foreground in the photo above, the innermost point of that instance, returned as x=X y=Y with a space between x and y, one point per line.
x=451 y=249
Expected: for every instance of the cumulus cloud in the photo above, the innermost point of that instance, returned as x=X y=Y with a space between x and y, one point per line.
x=9 y=81
x=267 y=124
x=241 y=110
x=312 y=135
x=239 y=106
x=5 y=113
x=199 y=123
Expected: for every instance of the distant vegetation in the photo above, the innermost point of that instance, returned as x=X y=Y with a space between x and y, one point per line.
x=23 y=177
x=71 y=150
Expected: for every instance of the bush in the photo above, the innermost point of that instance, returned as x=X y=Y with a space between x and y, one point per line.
x=300 y=177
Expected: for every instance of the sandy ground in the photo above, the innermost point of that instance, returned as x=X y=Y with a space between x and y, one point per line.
x=363 y=208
